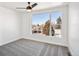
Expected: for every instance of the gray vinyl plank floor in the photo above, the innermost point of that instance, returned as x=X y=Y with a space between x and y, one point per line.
x=25 y=47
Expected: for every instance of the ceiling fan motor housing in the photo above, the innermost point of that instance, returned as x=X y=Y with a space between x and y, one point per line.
x=29 y=7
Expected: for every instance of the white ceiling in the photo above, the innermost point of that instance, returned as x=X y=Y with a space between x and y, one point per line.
x=41 y=5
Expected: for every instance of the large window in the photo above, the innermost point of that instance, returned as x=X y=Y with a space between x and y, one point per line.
x=47 y=23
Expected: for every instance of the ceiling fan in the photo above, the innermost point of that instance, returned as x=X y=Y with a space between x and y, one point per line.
x=29 y=7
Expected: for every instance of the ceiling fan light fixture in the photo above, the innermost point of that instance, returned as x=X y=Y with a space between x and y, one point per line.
x=29 y=10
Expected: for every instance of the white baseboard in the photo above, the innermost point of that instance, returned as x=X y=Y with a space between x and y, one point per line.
x=48 y=39
x=12 y=40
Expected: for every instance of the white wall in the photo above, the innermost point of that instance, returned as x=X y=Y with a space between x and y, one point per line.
x=74 y=28
x=27 y=25
x=10 y=25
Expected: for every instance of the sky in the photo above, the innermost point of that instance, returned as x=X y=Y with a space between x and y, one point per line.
x=43 y=17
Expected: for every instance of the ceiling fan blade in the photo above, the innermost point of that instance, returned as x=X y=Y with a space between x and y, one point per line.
x=34 y=5
x=20 y=8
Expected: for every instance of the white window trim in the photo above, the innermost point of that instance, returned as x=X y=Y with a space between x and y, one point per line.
x=60 y=8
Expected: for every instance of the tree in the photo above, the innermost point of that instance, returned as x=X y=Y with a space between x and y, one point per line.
x=58 y=25
x=46 y=27
x=59 y=20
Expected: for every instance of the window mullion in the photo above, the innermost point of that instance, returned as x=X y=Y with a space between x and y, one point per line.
x=50 y=24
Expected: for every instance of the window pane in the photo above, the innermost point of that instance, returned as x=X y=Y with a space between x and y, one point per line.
x=56 y=20
x=40 y=24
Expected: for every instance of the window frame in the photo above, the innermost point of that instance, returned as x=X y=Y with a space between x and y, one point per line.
x=50 y=10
